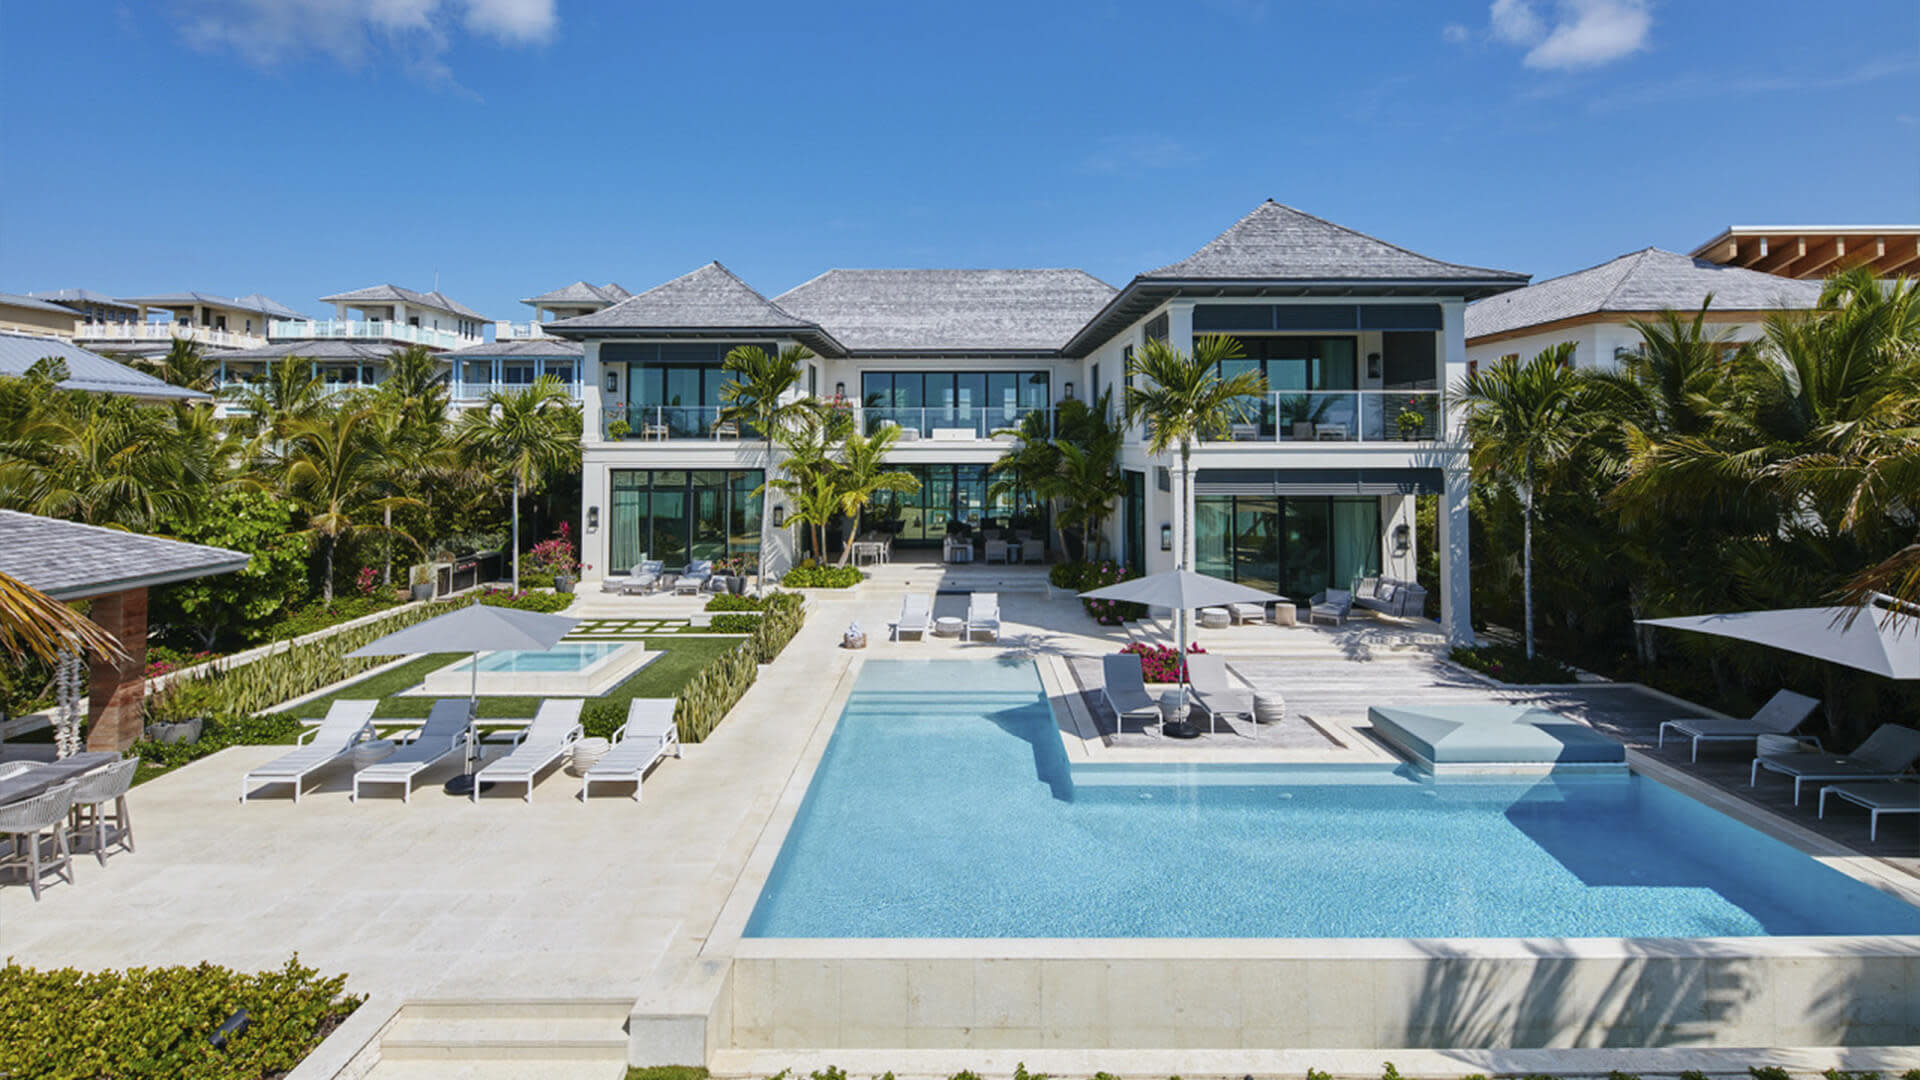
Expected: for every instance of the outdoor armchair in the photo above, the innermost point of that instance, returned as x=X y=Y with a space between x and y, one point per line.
x=1889 y=752
x=554 y=730
x=645 y=577
x=1783 y=712
x=45 y=812
x=446 y=732
x=1335 y=604
x=646 y=738
x=347 y=723
x=694 y=577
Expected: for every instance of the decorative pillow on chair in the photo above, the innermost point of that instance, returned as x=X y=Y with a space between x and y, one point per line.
x=1385 y=591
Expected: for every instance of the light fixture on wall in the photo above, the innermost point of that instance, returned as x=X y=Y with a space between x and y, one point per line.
x=1166 y=538
x=1373 y=365
x=593 y=519
x=1069 y=391
x=840 y=391
x=779 y=517
x=1402 y=540
x=613 y=381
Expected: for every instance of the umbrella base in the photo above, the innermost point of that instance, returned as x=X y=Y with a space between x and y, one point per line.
x=1180 y=729
x=463 y=785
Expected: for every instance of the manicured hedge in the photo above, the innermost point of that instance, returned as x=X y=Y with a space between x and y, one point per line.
x=743 y=602
x=808 y=576
x=735 y=622
x=155 y=1022
x=716 y=688
x=528 y=601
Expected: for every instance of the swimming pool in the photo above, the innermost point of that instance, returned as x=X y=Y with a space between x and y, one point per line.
x=569 y=669
x=945 y=807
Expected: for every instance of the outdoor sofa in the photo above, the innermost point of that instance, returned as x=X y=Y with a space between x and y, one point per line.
x=1390 y=596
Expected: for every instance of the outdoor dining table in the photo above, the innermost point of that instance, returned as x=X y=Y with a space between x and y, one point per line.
x=40 y=776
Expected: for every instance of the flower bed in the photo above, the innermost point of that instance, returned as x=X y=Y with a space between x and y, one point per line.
x=163 y=1023
x=1082 y=577
x=1161 y=663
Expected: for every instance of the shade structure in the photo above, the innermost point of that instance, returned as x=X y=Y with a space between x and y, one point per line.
x=474 y=628
x=1180 y=590
x=1883 y=637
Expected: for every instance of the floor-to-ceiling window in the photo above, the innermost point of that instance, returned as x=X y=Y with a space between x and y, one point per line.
x=1288 y=544
x=1306 y=373
x=950 y=495
x=674 y=385
x=675 y=515
x=984 y=401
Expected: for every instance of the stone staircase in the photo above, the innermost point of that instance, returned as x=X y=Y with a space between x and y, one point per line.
x=506 y=1040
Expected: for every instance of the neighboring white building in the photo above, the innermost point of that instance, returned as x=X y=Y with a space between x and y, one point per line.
x=393 y=315
x=1352 y=333
x=1593 y=307
x=146 y=327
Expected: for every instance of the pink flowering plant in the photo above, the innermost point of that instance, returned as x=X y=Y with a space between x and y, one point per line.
x=367 y=580
x=552 y=557
x=1161 y=663
x=1085 y=577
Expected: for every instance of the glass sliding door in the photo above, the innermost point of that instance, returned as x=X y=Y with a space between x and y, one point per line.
x=675 y=516
x=1256 y=542
x=1212 y=536
x=1292 y=545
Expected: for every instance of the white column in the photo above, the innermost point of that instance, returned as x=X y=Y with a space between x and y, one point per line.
x=1456 y=576
x=1453 y=355
x=590 y=394
x=596 y=521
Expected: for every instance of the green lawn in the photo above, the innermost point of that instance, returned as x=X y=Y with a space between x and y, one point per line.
x=662 y=678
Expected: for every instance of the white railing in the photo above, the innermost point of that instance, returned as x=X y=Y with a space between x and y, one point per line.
x=168 y=332
x=471 y=392
x=518 y=331
x=374 y=329
x=951 y=422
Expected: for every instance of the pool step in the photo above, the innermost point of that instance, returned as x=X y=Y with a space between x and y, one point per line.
x=583 y=1039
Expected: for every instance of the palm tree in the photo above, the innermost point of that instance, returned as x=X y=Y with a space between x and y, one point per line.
x=1185 y=400
x=290 y=391
x=524 y=437
x=810 y=441
x=334 y=467
x=763 y=395
x=35 y=625
x=102 y=460
x=186 y=365
x=416 y=386
x=1525 y=420
x=863 y=473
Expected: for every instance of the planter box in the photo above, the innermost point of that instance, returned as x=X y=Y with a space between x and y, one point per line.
x=187 y=731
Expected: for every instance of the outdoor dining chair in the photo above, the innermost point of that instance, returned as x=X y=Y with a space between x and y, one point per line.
x=44 y=813
x=91 y=793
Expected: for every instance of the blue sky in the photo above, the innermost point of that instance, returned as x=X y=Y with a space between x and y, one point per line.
x=302 y=147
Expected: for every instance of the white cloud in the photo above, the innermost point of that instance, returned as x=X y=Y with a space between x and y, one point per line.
x=356 y=32
x=1455 y=34
x=1579 y=33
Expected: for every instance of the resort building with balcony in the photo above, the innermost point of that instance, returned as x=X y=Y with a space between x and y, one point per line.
x=1313 y=488
x=145 y=327
x=1596 y=307
x=393 y=316
x=20 y=314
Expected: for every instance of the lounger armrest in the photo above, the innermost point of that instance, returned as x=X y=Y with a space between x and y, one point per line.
x=307 y=735
x=619 y=735
x=521 y=735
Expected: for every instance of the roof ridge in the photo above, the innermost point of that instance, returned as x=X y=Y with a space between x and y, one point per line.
x=1370 y=236
x=1606 y=302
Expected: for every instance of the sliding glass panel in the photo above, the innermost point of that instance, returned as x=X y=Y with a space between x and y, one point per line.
x=1308 y=550
x=1036 y=394
x=1213 y=532
x=970 y=397
x=1356 y=539
x=624 y=520
x=743 y=515
x=709 y=515
x=1337 y=368
x=1256 y=542
x=1003 y=396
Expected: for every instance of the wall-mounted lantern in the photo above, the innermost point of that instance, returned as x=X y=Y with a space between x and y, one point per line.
x=1402 y=539
x=1069 y=392
x=613 y=381
x=779 y=517
x=593 y=519
x=1166 y=538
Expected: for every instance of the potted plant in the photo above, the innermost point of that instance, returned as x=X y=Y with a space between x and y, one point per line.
x=618 y=429
x=1411 y=422
x=175 y=713
x=420 y=581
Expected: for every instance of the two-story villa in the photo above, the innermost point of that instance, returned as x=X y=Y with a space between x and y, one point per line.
x=522 y=352
x=1357 y=339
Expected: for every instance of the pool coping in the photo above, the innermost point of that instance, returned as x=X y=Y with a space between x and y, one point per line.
x=727 y=943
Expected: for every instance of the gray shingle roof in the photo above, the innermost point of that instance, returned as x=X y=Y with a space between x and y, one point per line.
x=393 y=294
x=68 y=560
x=1643 y=281
x=710 y=298
x=251 y=302
x=320 y=349
x=581 y=292
x=949 y=311
x=1278 y=243
x=545 y=348
x=80 y=296
x=86 y=370
x=23 y=301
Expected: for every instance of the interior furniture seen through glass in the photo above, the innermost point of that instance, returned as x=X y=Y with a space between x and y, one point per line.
x=676 y=515
x=1287 y=544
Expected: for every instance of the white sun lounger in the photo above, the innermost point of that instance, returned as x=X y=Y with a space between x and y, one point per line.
x=444 y=734
x=1783 y=712
x=1213 y=689
x=1889 y=752
x=916 y=616
x=346 y=723
x=555 y=728
x=1125 y=687
x=1887 y=797
x=983 y=614
x=647 y=736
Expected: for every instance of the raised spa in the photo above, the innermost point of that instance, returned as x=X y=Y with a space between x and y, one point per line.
x=569 y=669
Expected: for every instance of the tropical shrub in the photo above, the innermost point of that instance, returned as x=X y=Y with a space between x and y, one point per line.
x=162 y=659
x=809 y=575
x=528 y=601
x=216 y=734
x=321 y=614
x=602 y=717
x=738 y=622
x=155 y=1023
x=550 y=558
x=1082 y=577
x=714 y=689
x=784 y=616
x=241 y=606
x=730 y=602
x=1508 y=664
x=1161 y=663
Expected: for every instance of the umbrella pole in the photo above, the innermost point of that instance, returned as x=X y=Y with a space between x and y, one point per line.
x=464 y=783
x=1180 y=728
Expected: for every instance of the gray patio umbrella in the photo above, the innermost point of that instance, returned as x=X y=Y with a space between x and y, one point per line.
x=1181 y=590
x=474 y=628
x=1883 y=638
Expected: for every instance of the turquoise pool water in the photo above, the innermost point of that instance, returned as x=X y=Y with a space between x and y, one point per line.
x=945 y=807
x=568 y=656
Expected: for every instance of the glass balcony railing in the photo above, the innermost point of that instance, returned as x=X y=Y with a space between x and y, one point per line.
x=1370 y=416
x=368 y=329
x=654 y=422
x=952 y=423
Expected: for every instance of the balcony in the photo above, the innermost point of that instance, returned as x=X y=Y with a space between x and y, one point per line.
x=518 y=331
x=1339 y=416
x=165 y=333
x=653 y=423
x=952 y=423
x=475 y=392
x=368 y=330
